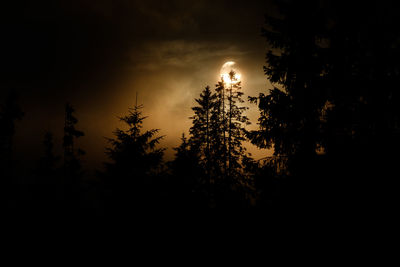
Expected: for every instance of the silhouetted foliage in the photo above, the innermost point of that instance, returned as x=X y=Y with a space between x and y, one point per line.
x=290 y=113
x=72 y=164
x=207 y=135
x=10 y=112
x=336 y=75
x=135 y=161
x=48 y=184
x=331 y=118
x=216 y=136
x=235 y=126
x=47 y=167
x=72 y=168
x=187 y=184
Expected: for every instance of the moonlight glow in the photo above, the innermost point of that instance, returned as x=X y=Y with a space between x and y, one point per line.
x=226 y=69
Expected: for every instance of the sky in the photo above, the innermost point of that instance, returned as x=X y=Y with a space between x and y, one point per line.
x=98 y=54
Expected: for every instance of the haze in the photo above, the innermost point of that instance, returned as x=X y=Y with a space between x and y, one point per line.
x=99 y=54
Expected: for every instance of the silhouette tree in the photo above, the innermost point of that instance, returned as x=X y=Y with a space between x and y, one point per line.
x=10 y=112
x=72 y=169
x=363 y=113
x=202 y=133
x=334 y=72
x=235 y=126
x=47 y=167
x=217 y=134
x=72 y=164
x=220 y=128
x=48 y=184
x=290 y=114
x=187 y=185
x=135 y=162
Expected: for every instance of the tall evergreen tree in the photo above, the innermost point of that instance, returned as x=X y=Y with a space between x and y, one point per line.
x=187 y=184
x=207 y=139
x=207 y=134
x=72 y=167
x=47 y=184
x=335 y=72
x=236 y=122
x=48 y=162
x=202 y=123
x=218 y=132
x=10 y=112
x=135 y=160
x=72 y=164
x=290 y=114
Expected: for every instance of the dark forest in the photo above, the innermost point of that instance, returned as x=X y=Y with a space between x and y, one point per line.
x=330 y=119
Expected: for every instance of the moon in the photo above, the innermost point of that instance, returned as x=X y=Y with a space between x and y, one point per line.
x=226 y=69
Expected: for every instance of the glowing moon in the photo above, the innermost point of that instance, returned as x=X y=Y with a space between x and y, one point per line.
x=226 y=69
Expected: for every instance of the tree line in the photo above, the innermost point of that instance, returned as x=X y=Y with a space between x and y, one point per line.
x=331 y=118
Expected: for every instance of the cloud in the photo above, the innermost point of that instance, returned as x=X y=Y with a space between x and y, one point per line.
x=155 y=56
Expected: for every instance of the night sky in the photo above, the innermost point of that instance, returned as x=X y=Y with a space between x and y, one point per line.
x=98 y=54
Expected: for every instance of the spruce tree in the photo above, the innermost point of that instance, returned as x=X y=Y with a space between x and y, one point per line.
x=135 y=159
x=187 y=184
x=10 y=112
x=72 y=168
x=201 y=129
x=47 y=181
x=236 y=122
x=48 y=162
x=218 y=132
x=72 y=164
x=290 y=115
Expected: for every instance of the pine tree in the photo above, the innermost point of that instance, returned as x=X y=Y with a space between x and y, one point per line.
x=235 y=126
x=218 y=132
x=290 y=115
x=135 y=159
x=186 y=160
x=187 y=184
x=48 y=185
x=10 y=112
x=72 y=164
x=48 y=162
x=72 y=167
x=201 y=130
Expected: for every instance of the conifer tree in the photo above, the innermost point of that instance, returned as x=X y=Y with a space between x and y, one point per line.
x=47 y=182
x=135 y=158
x=186 y=160
x=290 y=114
x=236 y=122
x=188 y=184
x=48 y=162
x=72 y=168
x=72 y=164
x=10 y=112
x=218 y=132
x=201 y=129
